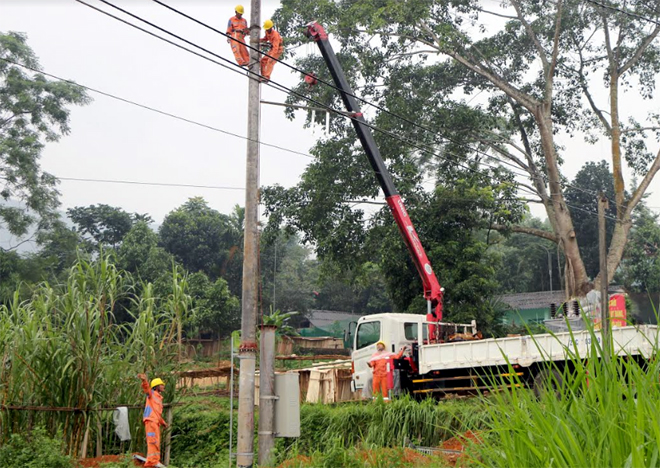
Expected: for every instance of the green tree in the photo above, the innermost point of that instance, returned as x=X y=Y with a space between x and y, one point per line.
x=524 y=261
x=590 y=180
x=198 y=236
x=59 y=248
x=288 y=275
x=104 y=225
x=362 y=292
x=506 y=80
x=641 y=267
x=447 y=220
x=217 y=311
x=33 y=111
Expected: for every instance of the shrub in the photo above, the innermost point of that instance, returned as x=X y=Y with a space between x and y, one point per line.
x=35 y=450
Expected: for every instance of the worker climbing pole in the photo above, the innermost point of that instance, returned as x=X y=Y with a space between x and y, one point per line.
x=272 y=48
x=237 y=28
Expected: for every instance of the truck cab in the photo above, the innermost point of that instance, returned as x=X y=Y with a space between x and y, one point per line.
x=396 y=330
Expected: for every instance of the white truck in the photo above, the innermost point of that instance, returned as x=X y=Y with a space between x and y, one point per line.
x=468 y=366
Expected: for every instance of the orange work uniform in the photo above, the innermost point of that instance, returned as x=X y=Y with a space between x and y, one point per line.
x=267 y=63
x=379 y=362
x=237 y=29
x=152 y=419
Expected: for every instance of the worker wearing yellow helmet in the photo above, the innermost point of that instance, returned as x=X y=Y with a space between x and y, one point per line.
x=380 y=363
x=153 y=418
x=273 y=52
x=237 y=29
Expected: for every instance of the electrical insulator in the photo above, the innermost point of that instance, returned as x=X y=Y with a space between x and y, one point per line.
x=553 y=310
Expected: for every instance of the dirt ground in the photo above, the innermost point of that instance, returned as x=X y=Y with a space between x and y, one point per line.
x=458 y=443
x=96 y=462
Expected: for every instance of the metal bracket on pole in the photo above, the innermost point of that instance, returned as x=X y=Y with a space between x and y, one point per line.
x=269 y=397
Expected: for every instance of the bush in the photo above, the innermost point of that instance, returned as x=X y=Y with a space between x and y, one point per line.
x=35 y=450
x=330 y=430
x=200 y=437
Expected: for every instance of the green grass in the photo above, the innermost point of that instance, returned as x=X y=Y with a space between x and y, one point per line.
x=607 y=413
x=330 y=429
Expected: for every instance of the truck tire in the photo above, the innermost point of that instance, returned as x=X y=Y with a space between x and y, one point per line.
x=548 y=380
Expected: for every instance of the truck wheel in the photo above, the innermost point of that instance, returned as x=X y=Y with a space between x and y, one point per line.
x=548 y=380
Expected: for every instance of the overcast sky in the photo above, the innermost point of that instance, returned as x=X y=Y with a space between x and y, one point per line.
x=114 y=140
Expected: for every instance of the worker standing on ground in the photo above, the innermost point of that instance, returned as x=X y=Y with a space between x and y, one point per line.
x=237 y=28
x=273 y=42
x=380 y=362
x=153 y=418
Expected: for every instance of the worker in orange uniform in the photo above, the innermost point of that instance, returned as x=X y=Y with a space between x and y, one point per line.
x=237 y=28
x=380 y=362
x=274 y=40
x=153 y=418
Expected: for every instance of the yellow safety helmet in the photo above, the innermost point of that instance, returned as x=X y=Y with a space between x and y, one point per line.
x=156 y=382
x=268 y=24
x=239 y=9
x=381 y=342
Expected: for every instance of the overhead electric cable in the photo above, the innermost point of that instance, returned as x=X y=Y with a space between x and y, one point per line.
x=279 y=86
x=159 y=184
x=153 y=109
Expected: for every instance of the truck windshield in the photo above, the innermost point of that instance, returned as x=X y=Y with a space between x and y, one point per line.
x=367 y=334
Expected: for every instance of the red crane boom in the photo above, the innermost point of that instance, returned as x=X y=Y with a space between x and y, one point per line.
x=433 y=293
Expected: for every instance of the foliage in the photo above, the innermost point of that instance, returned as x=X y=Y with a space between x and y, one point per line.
x=33 y=111
x=524 y=261
x=103 y=225
x=459 y=83
x=289 y=274
x=641 y=267
x=280 y=320
x=446 y=220
x=605 y=413
x=590 y=180
x=200 y=437
x=217 y=311
x=34 y=450
x=363 y=291
x=63 y=348
x=380 y=424
x=198 y=236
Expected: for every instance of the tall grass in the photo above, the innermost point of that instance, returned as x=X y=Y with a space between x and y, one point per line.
x=63 y=348
x=379 y=424
x=605 y=412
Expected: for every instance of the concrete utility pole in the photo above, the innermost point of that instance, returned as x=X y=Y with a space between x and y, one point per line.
x=604 y=296
x=267 y=394
x=248 y=348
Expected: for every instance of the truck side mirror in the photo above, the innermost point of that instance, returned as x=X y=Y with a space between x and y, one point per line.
x=348 y=335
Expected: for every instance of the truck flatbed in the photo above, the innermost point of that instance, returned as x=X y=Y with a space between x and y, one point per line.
x=530 y=349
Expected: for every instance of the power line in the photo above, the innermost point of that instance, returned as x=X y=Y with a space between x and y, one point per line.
x=333 y=86
x=157 y=184
x=625 y=12
x=152 y=109
x=274 y=84
x=290 y=91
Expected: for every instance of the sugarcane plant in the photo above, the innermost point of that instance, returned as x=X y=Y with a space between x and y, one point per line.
x=66 y=361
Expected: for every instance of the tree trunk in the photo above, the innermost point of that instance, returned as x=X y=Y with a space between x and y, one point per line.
x=617 y=172
x=616 y=249
x=577 y=281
